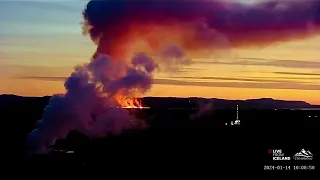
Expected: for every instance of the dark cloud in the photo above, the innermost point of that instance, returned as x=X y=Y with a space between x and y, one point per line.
x=296 y=86
x=266 y=62
x=247 y=83
x=199 y=24
x=238 y=79
x=282 y=63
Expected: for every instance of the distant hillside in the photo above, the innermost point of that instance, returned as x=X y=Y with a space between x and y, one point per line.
x=20 y=115
x=264 y=103
x=192 y=102
x=8 y=98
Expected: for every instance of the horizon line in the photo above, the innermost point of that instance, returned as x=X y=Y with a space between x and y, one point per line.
x=187 y=98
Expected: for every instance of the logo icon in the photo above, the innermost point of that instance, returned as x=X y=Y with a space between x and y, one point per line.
x=303 y=155
x=278 y=155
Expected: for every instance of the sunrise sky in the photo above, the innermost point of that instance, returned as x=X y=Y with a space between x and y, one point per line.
x=41 y=42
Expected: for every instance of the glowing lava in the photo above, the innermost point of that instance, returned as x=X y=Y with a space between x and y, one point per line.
x=129 y=102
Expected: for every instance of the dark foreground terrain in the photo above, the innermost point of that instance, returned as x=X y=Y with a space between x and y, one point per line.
x=175 y=140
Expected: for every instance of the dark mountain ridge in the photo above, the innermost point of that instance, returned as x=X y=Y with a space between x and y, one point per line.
x=172 y=135
x=188 y=102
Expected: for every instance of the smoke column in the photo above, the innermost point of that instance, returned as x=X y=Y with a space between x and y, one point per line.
x=197 y=25
x=168 y=31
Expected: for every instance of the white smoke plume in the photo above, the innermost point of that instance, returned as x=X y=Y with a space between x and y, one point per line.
x=89 y=105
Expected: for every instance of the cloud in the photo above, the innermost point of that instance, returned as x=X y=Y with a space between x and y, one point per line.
x=198 y=24
x=298 y=74
x=256 y=84
x=266 y=62
x=44 y=78
x=290 y=78
x=191 y=69
x=296 y=86
x=238 y=79
x=283 y=63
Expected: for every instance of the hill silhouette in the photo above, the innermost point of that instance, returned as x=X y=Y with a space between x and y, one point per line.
x=191 y=102
x=173 y=136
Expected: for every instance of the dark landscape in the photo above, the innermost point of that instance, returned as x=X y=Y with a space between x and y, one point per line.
x=104 y=54
x=177 y=133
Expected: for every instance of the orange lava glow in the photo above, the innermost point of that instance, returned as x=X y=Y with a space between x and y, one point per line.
x=128 y=102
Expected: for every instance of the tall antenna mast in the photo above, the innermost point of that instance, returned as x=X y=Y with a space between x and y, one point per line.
x=237 y=121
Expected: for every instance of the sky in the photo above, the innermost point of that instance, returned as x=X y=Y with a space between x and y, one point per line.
x=41 y=42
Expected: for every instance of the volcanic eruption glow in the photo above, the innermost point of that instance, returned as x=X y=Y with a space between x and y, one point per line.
x=128 y=102
x=169 y=34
